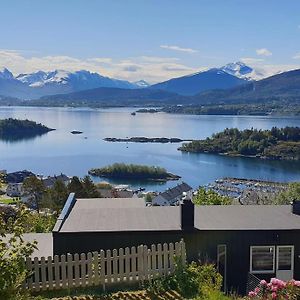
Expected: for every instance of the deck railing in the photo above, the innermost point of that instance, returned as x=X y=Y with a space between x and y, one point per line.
x=135 y=264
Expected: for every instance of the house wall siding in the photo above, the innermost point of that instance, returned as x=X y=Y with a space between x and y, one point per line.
x=203 y=246
x=200 y=246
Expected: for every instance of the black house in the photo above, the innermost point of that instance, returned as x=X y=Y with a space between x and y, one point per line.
x=255 y=239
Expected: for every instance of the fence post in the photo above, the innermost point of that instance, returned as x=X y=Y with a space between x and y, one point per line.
x=171 y=257
x=160 y=259
x=43 y=273
x=69 y=270
x=36 y=274
x=121 y=264
x=28 y=283
x=56 y=272
x=63 y=271
x=102 y=269
x=83 y=269
x=76 y=270
x=166 y=262
x=90 y=279
x=140 y=266
x=127 y=264
x=115 y=265
x=96 y=267
x=50 y=273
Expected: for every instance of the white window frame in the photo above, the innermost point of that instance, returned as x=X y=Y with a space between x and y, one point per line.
x=292 y=257
x=263 y=271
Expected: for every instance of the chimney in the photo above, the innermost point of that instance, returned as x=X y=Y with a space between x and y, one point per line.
x=187 y=210
x=296 y=207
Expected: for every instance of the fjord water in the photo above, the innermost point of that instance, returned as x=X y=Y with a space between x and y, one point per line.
x=60 y=151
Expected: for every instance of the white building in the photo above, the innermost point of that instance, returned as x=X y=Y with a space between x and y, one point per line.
x=174 y=195
x=14 y=189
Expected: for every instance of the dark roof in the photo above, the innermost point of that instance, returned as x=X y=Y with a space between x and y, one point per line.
x=246 y=217
x=117 y=214
x=176 y=191
x=112 y=193
x=18 y=177
x=49 y=181
x=44 y=243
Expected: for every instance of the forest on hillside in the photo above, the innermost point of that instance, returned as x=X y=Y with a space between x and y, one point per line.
x=277 y=143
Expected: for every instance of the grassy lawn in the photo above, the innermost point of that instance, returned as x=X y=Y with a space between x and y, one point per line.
x=9 y=201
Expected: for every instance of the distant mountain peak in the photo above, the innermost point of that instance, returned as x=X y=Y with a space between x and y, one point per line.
x=241 y=70
x=5 y=74
x=141 y=83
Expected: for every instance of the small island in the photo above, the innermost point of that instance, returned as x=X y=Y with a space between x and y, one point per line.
x=15 y=129
x=142 y=139
x=148 y=110
x=277 y=143
x=76 y=132
x=134 y=172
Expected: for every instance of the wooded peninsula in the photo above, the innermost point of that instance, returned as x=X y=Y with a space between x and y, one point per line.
x=136 y=172
x=14 y=129
x=277 y=143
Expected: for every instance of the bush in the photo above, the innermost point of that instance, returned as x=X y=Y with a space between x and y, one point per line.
x=13 y=251
x=276 y=289
x=190 y=281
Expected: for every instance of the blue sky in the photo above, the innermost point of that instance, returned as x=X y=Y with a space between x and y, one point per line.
x=153 y=40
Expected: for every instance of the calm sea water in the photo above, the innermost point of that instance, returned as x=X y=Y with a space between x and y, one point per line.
x=60 y=151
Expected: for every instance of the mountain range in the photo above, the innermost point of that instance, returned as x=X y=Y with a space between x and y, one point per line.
x=232 y=83
x=40 y=83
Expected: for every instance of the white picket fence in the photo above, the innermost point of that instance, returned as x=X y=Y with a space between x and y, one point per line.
x=103 y=268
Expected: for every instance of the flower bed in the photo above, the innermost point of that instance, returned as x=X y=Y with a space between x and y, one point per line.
x=276 y=289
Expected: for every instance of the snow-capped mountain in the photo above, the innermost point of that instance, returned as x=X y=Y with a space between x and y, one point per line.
x=141 y=83
x=241 y=70
x=5 y=74
x=77 y=80
x=200 y=82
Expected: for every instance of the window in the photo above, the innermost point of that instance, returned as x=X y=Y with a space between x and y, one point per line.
x=262 y=259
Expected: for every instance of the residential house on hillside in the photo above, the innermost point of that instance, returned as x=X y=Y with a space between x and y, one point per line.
x=174 y=195
x=262 y=240
x=14 y=189
x=50 y=180
x=18 y=177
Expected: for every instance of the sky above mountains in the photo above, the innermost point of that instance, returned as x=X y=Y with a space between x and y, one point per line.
x=151 y=40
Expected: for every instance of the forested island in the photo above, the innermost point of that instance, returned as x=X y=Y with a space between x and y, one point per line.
x=283 y=108
x=277 y=143
x=142 y=139
x=136 y=172
x=15 y=129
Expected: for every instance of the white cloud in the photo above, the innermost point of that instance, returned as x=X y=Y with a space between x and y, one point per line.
x=296 y=56
x=251 y=60
x=263 y=52
x=150 y=68
x=177 y=48
x=262 y=69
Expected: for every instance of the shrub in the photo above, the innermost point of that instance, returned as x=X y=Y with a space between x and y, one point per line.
x=13 y=251
x=276 y=289
x=192 y=280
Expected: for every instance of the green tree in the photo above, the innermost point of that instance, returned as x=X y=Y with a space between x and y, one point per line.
x=13 y=251
x=57 y=195
x=210 y=197
x=75 y=186
x=35 y=189
x=292 y=193
x=90 y=189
